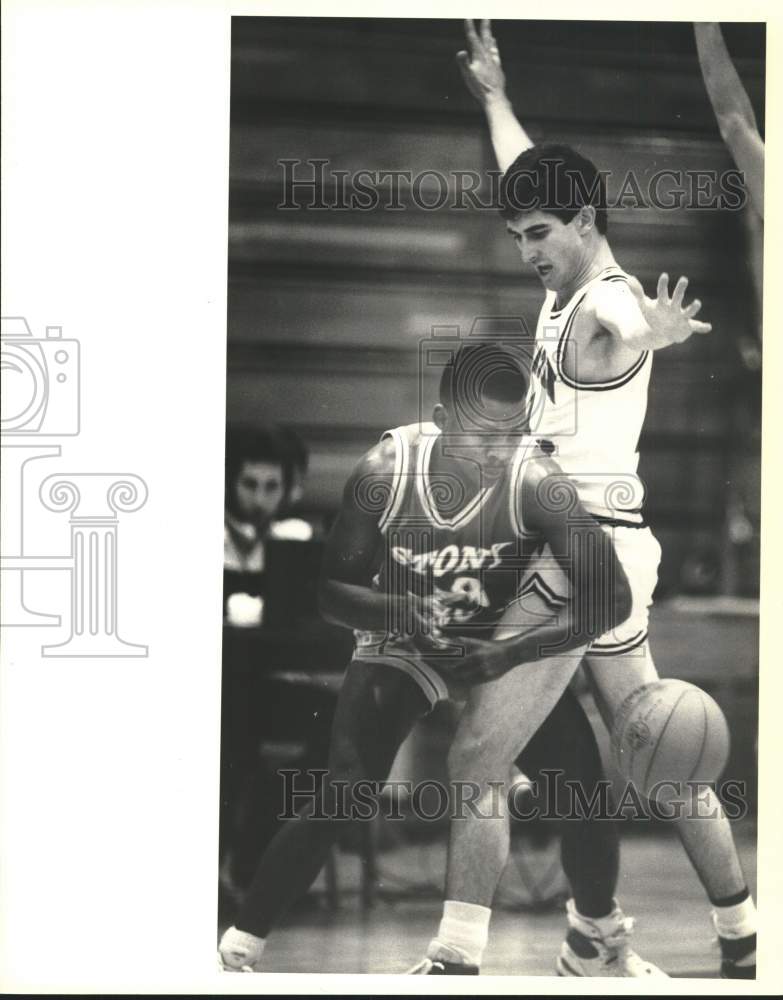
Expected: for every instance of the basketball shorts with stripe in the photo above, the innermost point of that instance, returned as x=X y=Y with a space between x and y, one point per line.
x=639 y=554
x=434 y=687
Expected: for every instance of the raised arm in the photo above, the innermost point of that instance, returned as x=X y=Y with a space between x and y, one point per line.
x=732 y=107
x=645 y=324
x=484 y=77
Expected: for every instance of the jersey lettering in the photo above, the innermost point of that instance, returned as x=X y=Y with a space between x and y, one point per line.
x=450 y=559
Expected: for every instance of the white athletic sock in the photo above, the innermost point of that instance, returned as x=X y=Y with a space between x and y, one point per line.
x=239 y=948
x=463 y=933
x=735 y=921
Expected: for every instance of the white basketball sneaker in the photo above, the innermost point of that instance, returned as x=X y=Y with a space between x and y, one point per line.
x=239 y=951
x=599 y=947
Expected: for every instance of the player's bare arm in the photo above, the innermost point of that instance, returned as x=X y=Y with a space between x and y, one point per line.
x=732 y=107
x=641 y=323
x=483 y=74
x=354 y=546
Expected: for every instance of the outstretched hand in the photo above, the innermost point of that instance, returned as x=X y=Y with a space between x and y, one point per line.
x=668 y=320
x=480 y=66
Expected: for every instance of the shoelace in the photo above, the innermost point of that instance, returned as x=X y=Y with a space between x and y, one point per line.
x=618 y=944
x=423 y=967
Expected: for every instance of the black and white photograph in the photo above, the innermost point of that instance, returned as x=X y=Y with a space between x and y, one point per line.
x=391 y=556
x=492 y=522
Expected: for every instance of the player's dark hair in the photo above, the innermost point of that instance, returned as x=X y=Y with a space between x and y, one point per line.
x=553 y=178
x=486 y=370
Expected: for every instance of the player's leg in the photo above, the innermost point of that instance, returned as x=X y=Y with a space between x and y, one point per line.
x=571 y=789
x=498 y=720
x=377 y=707
x=703 y=828
x=574 y=788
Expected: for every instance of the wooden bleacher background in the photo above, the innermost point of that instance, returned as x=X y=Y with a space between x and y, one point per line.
x=327 y=308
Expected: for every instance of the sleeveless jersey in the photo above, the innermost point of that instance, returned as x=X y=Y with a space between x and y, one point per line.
x=469 y=561
x=593 y=426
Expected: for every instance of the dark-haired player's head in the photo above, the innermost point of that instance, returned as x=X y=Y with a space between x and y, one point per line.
x=483 y=410
x=255 y=475
x=554 y=202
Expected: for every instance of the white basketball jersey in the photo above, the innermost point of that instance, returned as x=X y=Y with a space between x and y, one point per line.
x=593 y=426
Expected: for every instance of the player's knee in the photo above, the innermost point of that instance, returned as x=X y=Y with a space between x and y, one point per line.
x=479 y=756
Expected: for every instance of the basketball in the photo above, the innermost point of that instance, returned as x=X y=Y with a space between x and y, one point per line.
x=670 y=731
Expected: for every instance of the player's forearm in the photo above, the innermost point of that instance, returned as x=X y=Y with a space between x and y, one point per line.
x=545 y=641
x=508 y=137
x=359 y=607
x=724 y=87
x=644 y=338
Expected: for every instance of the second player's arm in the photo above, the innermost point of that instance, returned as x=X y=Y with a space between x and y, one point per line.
x=600 y=597
x=732 y=107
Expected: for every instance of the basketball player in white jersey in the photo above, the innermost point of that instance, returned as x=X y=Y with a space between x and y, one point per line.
x=595 y=340
x=437 y=525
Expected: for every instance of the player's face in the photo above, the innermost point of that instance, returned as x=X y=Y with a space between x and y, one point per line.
x=553 y=248
x=259 y=492
x=492 y=437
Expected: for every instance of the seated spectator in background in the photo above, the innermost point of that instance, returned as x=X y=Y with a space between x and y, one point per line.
x=265 y=469
x=255 y=491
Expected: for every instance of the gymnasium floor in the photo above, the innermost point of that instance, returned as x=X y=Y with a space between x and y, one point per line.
x=657 y=887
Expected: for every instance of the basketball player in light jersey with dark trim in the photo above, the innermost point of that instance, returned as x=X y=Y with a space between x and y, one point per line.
x=437 y=525
x=595 y=340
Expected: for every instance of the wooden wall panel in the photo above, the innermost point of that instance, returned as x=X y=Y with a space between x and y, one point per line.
x=328 y=309
x=390 y=70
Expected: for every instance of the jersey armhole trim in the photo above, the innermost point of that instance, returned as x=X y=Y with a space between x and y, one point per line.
x=397 y=491
x=614 y=383
x=515 y=492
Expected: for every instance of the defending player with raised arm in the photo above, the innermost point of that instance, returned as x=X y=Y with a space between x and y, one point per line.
x=732 y=107
x=634 y=322
x=595 y=339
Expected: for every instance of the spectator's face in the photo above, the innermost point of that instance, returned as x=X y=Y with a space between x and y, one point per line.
x=259 y=492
